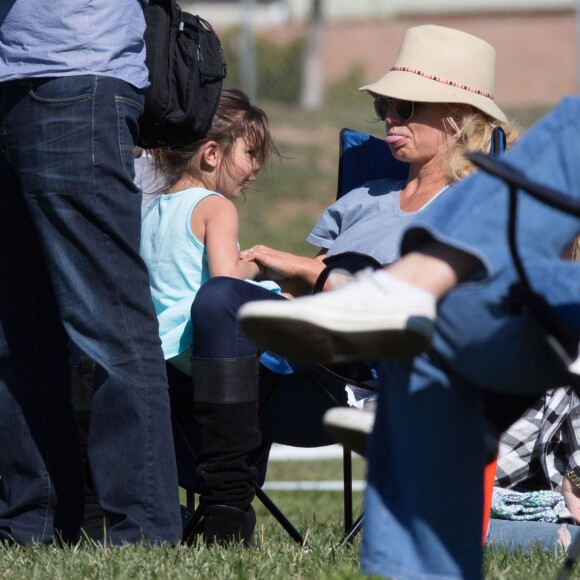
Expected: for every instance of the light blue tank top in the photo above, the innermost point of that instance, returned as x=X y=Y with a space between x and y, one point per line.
x=177 y=263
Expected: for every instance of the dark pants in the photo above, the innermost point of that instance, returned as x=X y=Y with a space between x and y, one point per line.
x=293 y=414
x=214 y=315
x=70 y=267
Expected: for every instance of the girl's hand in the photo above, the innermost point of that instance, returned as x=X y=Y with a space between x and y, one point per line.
x=261 y=270
x=571 y=494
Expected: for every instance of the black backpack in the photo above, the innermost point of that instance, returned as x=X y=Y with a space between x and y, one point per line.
x=186 y=70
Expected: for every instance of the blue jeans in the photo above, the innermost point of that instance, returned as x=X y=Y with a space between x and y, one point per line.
x=525 y=536
x=214 y=315
x=426 y=455
x=70 y=270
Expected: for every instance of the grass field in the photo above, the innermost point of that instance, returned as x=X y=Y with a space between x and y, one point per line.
x=317 y=514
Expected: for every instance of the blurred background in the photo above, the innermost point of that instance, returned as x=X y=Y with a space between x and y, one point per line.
x=303 y=61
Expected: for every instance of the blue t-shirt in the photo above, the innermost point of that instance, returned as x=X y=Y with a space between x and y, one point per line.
x=368 y=220
x=44 y=38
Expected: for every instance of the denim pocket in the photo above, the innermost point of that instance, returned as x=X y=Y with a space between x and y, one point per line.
x=128 y=113
x=63 y=90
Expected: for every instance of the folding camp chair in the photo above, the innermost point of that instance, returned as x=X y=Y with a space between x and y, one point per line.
x=362 y=158
x=561 y=339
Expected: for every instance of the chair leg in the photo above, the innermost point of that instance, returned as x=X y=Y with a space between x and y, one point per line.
x=347 y=482
x=350 y=529
x=352 y=532
x=278 y=515
x=191 y=529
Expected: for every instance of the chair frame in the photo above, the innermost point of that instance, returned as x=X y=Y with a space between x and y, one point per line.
x=522 y=297
x=192 y=527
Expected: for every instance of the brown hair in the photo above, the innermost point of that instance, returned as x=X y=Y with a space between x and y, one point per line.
x=235 y=117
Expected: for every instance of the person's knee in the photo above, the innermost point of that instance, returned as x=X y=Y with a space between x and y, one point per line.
x=215 y=301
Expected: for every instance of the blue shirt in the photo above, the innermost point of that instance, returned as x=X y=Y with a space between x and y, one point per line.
x=368 y=220
x=43 y=38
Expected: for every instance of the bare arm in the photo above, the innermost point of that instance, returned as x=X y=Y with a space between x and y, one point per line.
x=571 y=495
x=281 y=266
x=215 y=220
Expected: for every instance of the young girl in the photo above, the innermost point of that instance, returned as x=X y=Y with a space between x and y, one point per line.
x=190 y=233
x=189 y=236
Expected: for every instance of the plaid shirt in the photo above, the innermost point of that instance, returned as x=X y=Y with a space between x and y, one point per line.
x=544 y=441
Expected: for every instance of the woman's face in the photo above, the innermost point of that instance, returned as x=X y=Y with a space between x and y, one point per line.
x=423 y=138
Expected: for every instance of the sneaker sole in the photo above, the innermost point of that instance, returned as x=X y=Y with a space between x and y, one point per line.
x=347 y=434
x=354 y=440
x=302 y=341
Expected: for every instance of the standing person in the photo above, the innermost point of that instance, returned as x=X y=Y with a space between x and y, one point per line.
x=189 y=235
x=72 y=74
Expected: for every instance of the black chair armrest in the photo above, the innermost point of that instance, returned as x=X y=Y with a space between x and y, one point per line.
x=352 y=262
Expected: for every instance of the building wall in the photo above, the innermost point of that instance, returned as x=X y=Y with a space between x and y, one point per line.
x=336 y=10
x=536 y=54
x=538 y=60
x=275 y=12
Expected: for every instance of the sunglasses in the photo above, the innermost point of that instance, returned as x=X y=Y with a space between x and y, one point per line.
x=404 y=109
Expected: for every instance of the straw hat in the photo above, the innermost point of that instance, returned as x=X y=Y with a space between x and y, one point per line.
x=442 y=65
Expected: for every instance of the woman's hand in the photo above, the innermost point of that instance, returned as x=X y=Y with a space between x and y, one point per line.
x=283 y=265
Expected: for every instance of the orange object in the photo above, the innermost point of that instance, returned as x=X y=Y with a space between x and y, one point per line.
x=488 y=481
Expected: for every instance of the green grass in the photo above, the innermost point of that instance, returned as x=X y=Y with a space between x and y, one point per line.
x=276 y=557
x=317 y=514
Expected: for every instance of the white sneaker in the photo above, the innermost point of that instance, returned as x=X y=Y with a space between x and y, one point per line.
x=375 y=316
x=351 y=426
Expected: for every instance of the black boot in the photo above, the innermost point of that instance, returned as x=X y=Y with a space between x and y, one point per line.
x=224 y=524
x=225 y=408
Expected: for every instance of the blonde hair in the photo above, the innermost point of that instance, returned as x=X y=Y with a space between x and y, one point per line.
x=572 y=252
x=472 y=131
